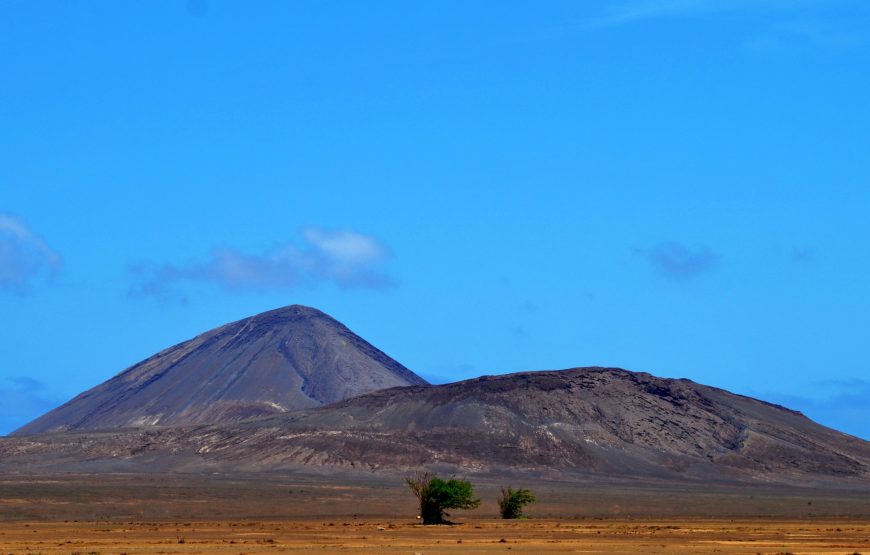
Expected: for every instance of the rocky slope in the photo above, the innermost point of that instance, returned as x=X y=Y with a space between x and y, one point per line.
x=602 y=422
x=291 y=358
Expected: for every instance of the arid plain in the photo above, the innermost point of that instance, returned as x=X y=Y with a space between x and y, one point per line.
x=168 y=514
x=473 y=536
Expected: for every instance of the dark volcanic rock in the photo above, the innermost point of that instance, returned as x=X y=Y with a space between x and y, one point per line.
x=589 y=419
x=286 y=359
x=602 y=422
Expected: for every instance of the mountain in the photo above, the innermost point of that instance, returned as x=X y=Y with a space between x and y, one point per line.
x=287 y=359
x=603 y=422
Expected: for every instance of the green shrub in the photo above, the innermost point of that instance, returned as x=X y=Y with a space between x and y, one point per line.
x=512 y=502
x=436 y=496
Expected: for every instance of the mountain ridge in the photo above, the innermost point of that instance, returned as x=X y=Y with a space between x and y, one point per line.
x=592 y=422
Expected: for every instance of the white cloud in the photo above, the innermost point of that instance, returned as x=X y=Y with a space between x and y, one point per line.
x=346 y=246
x=347 y=258
x=24 y=256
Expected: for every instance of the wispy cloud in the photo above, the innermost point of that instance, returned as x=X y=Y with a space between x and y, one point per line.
x=24 y=256
x=632 y=11
x=24 y=399
x=638 y=10
x=676 y=260
x=786 y=34
x=346 y=258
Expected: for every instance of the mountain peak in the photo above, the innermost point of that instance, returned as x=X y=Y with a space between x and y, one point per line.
x=294 y=310
x=285 y=359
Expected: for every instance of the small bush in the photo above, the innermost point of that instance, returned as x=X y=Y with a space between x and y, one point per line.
x=512 y=502
x=437 y=495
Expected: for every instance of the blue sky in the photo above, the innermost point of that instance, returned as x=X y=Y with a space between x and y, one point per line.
x=671 y=186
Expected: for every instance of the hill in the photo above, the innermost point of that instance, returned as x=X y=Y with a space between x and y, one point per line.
x=598 y=422
x=282 y=360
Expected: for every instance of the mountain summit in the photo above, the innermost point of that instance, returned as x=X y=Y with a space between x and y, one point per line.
x=282 y=360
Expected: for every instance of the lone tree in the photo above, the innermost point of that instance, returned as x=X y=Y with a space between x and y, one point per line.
x=512 y=501
x=437 y=495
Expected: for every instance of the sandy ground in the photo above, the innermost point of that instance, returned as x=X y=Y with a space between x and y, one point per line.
x=470 y=536
x=362 y=513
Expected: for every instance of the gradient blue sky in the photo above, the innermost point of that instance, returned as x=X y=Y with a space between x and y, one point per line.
x=674 y=186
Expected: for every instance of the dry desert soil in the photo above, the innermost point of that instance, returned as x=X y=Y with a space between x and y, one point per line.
x=178 y=514
x=471 y=536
